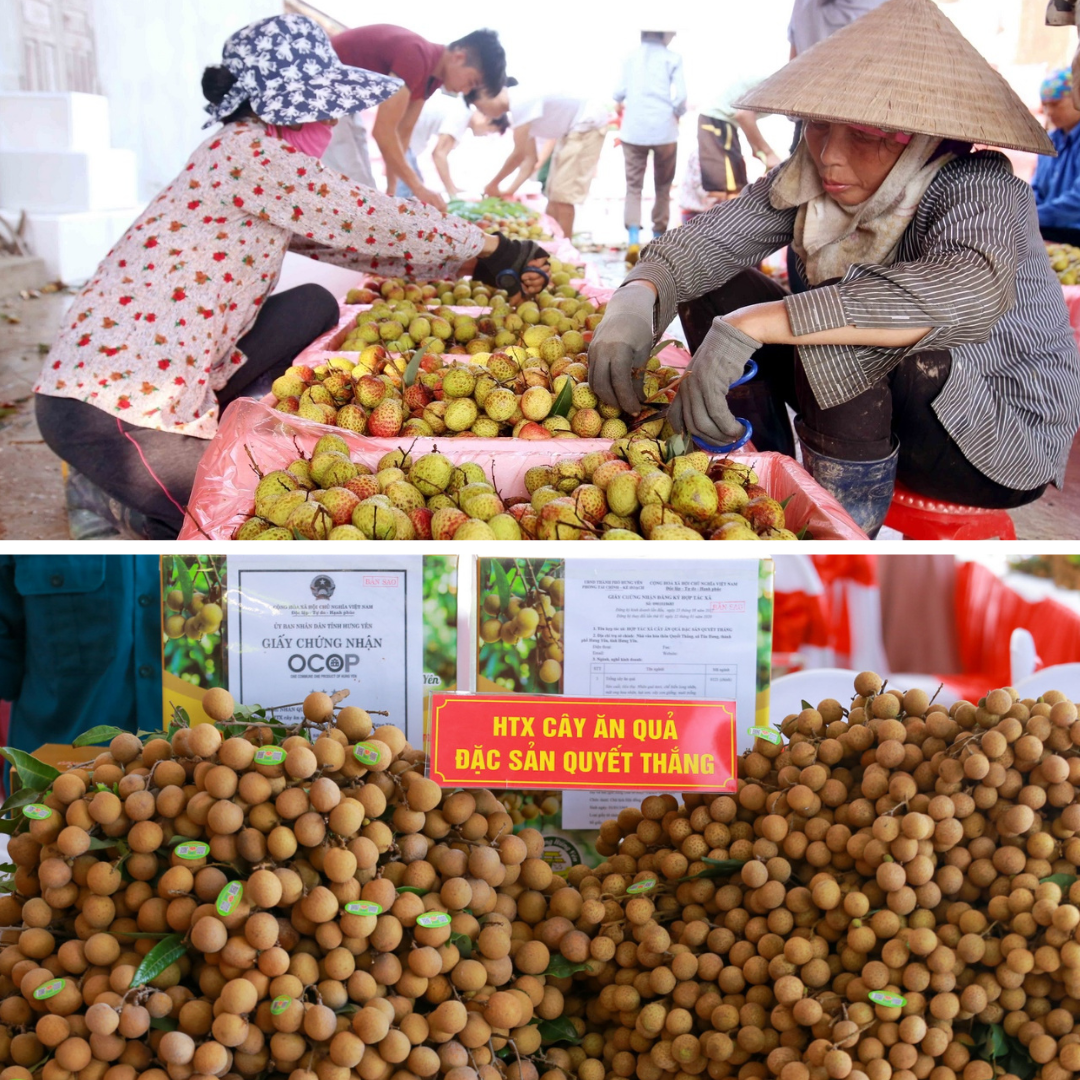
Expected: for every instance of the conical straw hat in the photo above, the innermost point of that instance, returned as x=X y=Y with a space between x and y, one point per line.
x=903 y=66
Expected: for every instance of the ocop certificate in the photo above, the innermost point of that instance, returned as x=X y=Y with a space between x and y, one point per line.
x=310 y=623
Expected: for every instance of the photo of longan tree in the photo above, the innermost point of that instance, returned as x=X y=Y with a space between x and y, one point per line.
x=440 y=619
x=193 y=620
x=520 y=624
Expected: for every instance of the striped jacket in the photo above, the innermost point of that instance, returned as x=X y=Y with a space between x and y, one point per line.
x=971 y=266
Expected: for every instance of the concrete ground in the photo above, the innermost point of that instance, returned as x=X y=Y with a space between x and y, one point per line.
x=32 y=495
x=32 y=503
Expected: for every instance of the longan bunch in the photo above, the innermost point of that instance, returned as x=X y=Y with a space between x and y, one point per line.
x=896 y=847
x=538 y=615
x=195 y=620
x=378 y=932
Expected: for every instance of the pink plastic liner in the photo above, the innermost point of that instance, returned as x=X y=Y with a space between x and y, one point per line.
x=224 y=491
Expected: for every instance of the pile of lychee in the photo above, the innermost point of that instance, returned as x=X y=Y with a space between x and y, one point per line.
x=627 y=493
x=480 y=376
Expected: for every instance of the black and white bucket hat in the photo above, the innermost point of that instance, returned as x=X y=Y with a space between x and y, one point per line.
x=286 y=68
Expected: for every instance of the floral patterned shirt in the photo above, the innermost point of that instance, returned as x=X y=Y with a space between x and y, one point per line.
x=153 y=334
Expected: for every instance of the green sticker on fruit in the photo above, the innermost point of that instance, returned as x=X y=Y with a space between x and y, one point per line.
x=269 y=755
x=766 y=733
x=37 y=812
x=228 y=898
x=890 y=1001
x=49 y=989
x=641 y=886
x=432 y=920
x=363 y=907
x=280 y=1004
x=195 y=850
x=366 y=754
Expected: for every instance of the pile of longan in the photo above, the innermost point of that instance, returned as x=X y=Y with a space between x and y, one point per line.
x=291 y=982
x=894 y=847
x=869 y=904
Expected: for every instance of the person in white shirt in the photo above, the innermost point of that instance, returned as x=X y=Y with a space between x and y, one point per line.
x=579 y=126
x=444 y=120
x=815 y=20
x=652 y=91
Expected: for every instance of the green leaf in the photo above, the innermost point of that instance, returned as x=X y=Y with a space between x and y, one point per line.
x=20 y=799
x=165 y=952
x=412 y=368
x=564 y=400
x=784 y=504
x=502 y=582
x=561 y=968
x=133 y=934
x=559 y=1030
x=8 y=868
x=463 y=943
x=164 y=1023
x=183 y=579
x=716 y=868
x=679 y=444
x=100 y=843
x=35 y=774
x=804 y=533
x=660 y=346
x=102 y=734
x=807 y=705
x=1064 y=880
x=413 y=889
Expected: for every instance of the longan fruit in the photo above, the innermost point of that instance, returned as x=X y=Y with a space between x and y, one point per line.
x=354 y=723
x=218 y=704
x=204 y=740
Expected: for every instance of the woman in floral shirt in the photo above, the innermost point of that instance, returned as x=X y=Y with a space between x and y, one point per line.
x=178 y=319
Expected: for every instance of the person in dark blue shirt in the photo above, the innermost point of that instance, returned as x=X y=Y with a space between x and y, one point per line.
x=1057 y=180
x=80 y=645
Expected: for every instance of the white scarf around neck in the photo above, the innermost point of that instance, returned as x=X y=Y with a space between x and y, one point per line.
x=829 y=237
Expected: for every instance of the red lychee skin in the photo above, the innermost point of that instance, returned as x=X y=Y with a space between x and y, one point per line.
x=363 y=487
x=763 y=513
x=306 y=373
x=385 y=420
x=370 y=390
x=448 y=523
x=288 y=405
x=416 y=397
x=430 y=362
x=421 y=520
x=339 y=502
x=590 y=503
x=755 y=491
x=534 y=431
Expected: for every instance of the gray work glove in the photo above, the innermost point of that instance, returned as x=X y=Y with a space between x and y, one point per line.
x=620 y=348
x=700 y=403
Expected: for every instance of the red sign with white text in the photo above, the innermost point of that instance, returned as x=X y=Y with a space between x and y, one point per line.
x=552 y=742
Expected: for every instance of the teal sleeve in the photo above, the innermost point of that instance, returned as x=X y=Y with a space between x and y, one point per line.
x=12 y=633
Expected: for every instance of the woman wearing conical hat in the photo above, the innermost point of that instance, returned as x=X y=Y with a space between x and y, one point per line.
x=934 y=344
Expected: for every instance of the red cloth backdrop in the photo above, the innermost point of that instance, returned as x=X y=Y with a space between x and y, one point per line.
x=836 y=571
x=988 y=611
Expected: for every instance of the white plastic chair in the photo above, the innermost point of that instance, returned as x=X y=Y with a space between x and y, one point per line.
x=1063 y=677
x=1023 y=660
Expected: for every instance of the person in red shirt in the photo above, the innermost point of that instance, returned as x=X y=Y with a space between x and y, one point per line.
x=476 y=61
